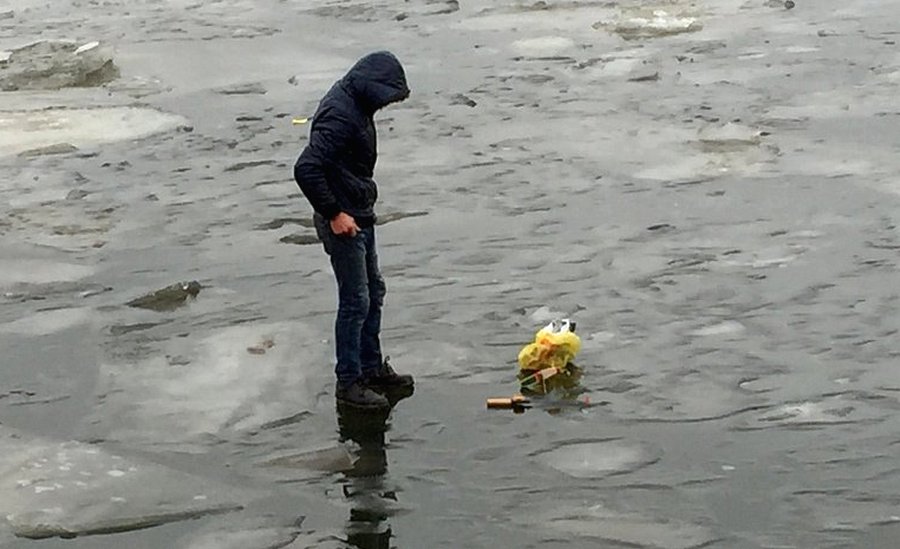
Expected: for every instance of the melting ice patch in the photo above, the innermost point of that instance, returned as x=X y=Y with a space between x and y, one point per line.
x=599 y=458
x=688 y=396
x=244 y=533
x=842 y=408
x=22 y=131
x=650 y=24
x=631 y=529
x=225 y=384
x=50 y=488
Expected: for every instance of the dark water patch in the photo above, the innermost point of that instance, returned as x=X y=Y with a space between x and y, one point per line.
x=48 y=400
x=250 y=164
x=463 y=100
x=331 y=460
x=390 y=217
x=243 y=89
x=282 y=221
x=57 y=148
x=300 y=239
x=273 y=182
x=124 y=329
x=285 y=421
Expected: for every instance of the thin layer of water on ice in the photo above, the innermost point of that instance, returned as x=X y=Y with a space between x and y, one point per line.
x=221 y=384
x=39 y=271
x=598 y=522
x=599 y=459
x=68 y=489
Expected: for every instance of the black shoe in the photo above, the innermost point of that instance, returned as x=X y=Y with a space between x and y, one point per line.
x=385 y=379
x=358 y=395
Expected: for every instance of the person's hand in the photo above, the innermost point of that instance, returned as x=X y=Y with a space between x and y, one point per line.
x=344 y=225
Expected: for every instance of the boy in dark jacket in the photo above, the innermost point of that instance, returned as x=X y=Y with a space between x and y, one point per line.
x=334 y=172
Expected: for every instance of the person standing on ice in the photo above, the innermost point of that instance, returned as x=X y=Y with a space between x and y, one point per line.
x=335 y=171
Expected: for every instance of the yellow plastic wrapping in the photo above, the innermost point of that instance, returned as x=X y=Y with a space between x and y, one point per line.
x=546 y=369
x=554 y=346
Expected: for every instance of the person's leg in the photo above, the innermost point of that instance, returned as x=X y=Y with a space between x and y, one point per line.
x=370 y=340
x=348 y=260
x=349 y=264
x=377 y=373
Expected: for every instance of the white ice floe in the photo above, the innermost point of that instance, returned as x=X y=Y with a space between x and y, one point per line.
x=22 y=131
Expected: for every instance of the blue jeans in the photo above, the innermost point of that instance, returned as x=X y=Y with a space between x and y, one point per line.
x=361 y=292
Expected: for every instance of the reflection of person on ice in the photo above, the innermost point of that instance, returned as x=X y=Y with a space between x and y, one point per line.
x=334 y=172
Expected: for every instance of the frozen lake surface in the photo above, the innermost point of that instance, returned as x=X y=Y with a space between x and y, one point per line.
x=709 y=189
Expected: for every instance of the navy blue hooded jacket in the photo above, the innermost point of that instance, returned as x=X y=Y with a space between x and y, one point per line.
x=335 y=169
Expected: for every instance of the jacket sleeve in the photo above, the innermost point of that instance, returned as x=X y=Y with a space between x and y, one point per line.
x=328 y=140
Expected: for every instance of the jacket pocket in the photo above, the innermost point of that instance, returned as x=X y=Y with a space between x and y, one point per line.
x=323 y=231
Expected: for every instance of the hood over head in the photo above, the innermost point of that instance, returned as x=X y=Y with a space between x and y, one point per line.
x=376 y=81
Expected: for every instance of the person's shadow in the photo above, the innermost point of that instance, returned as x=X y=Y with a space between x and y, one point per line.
x=367 y=527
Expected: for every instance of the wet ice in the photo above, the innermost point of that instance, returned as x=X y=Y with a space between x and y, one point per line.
x=220 y=389
x=46 y=322
x=714 y=207
x=69 y=489
x=599 y=459
x=604 y=525
x=243 y=533
x=39 y=271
